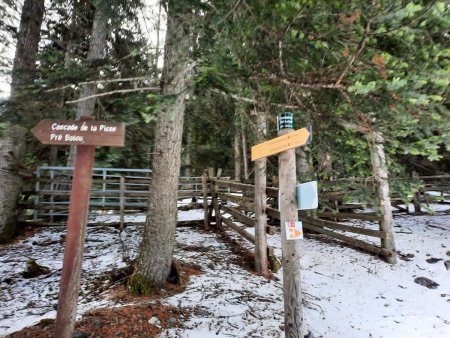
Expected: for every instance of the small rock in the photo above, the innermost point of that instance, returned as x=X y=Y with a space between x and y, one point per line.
x=95 y=323
x=33 y=269
x=424 y=281
x=433 y=260
x=447 y=265
x=154 y=321
x=122 y=321
x=171 y=321
x=118 y=334
x=55 y=306
x=309 y=335
x=80 y=334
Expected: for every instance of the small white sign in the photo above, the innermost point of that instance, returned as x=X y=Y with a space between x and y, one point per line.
x=294 y=230
x=307 y=197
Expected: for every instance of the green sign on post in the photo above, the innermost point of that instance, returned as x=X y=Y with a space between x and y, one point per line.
x=285 y=121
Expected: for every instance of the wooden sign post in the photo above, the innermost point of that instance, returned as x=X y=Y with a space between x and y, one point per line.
x=285 y=145
x=85 y=134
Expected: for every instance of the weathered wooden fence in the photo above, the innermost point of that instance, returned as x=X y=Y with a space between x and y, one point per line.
x=235 y=208
x=352 y=193
x=116 y=189
x=342 y=218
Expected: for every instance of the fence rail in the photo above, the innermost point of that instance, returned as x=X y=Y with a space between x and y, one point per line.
x=122 y=190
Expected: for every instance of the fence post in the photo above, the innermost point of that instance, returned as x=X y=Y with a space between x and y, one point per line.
x=416 y=200
x=205 y=199
x=52 y=196
x=122 y=202
x=380 y=171
x=37 y=188
x=215 y=201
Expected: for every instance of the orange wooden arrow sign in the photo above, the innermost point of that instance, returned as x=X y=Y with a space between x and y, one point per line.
x=80 y=133
x=281 y=143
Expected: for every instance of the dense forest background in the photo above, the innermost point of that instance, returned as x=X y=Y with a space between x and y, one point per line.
x=343 y=67
x=199 y=82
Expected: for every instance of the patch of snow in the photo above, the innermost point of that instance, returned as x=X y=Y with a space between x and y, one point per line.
x=348 y=293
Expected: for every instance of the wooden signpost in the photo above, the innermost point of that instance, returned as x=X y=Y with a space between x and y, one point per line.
x=85 y=134
x=291 y=232
x=284 y=142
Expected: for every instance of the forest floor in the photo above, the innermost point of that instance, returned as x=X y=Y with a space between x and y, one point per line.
x=347 y=293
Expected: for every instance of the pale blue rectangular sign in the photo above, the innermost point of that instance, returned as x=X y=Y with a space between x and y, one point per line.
x=307 y=197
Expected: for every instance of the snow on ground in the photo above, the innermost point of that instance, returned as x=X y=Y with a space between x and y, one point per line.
x=349 y=294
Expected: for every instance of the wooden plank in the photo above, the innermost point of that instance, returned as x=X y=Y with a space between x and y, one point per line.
x=350 y=215
x=235 y=185
x=358 y=243
x=242 y=201
x=281 y=143
x=274 y=213
x=239 y=216
x=343 y=227
x=241 y=231
x=80 y=132
x=272 y=192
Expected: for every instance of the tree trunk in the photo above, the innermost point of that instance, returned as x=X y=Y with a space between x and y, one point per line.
x=380 y=173
x=261 y=262
x=244 y=153
x=325 y=167
x=303 y=164
x=237 y=155
x=97 y=46
x=13 y=139
x=187 y=156
x=156 y=251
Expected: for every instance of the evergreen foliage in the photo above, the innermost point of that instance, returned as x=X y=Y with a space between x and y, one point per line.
x=343 y=67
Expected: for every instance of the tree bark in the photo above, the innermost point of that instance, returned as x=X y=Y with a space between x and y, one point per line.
x=97 y=46
x=187 y=154
x=303 y=164
x=380 y=172
x=13 y=139
x=156 y=251
x=261 y=261
x=244 y=153
x=237 y=155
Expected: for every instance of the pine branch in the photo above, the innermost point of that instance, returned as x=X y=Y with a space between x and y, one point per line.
x=293 y=84
x=128 y=79
x=358 y=51
x=154 y=89
x=253 y=100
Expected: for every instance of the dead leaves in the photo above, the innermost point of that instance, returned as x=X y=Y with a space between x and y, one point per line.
x=348 y=20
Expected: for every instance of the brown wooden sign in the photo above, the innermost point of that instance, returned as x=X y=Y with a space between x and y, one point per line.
x=80 y=133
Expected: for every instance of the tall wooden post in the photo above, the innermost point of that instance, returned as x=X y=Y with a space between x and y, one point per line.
x=261 y=260
x=284 y=145
x=380 y=172
x=85 y=134
x=76 y=234
x=291 y=249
